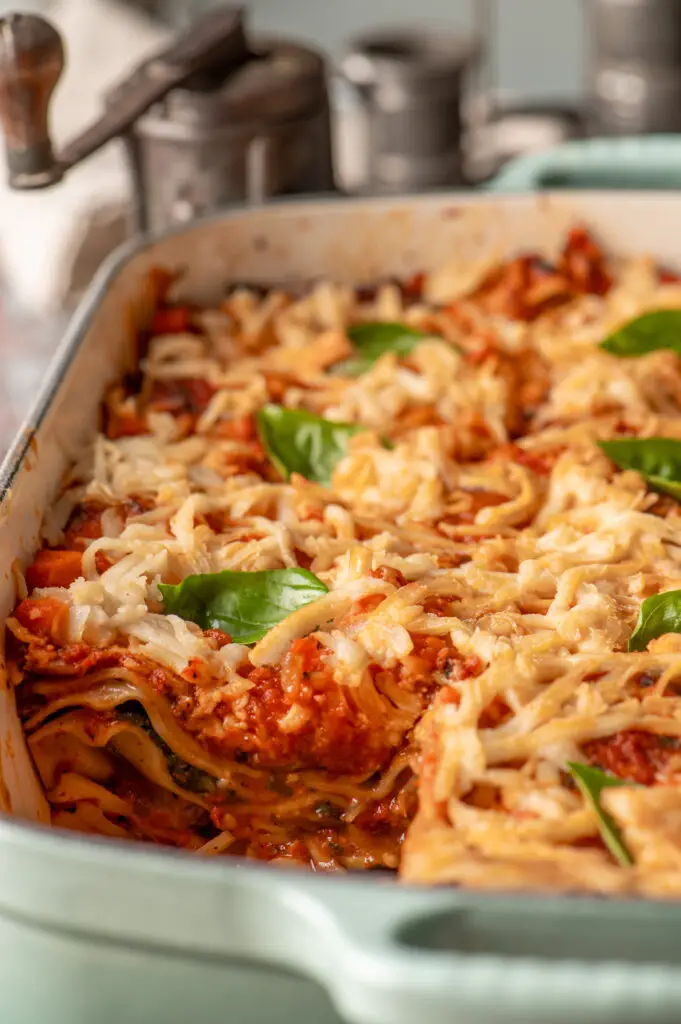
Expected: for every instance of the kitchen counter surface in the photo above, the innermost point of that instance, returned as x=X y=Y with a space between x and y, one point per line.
x=26 y=348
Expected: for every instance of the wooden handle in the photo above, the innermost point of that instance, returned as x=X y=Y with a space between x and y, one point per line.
x=215 y=41
x=31 y=63
x=32 y=60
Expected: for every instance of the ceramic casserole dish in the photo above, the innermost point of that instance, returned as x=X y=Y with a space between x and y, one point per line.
x=94 y=929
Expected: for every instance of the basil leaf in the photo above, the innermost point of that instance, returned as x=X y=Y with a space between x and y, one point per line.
x=658 y=459
x=591 y=782
x=647 y=333
x=300 y=442
x=658 y=615
x=244 y=604
x=372 y=340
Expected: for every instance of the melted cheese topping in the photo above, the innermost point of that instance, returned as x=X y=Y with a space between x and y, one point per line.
x=486 y=568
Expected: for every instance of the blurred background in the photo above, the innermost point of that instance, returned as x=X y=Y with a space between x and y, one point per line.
x=539 y=47
x=376 y=97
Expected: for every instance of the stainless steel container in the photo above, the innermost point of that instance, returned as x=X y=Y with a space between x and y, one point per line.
x=515 y=127
x=411 y=88
x=635 y=66
x=630 y=100
x=645 y=31
x=263 y=132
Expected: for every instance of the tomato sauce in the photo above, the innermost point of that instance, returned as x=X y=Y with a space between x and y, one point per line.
x=632 y=754
x=45 y=617
x=541 y=463
x=335 y=733
x=171 y=320
x=180 y=395
x=84 y=525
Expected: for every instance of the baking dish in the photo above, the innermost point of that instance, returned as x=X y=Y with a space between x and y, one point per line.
x=640 y=162
x=98 y=930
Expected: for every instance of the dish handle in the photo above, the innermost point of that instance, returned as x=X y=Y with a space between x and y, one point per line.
x=636 y=162
x=441 y=956
x=385 y=953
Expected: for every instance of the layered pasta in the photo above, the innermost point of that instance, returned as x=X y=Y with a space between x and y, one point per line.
x=361 y=578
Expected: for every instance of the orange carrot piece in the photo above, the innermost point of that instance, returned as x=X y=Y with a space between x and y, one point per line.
x=54 y=569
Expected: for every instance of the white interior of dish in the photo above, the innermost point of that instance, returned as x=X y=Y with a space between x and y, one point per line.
x=353 y=241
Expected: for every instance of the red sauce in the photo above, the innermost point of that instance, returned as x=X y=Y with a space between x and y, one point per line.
x=496 y=713
x=412 y=287
x=476 y=500
x=429 y=656
x=84 y=525
x=389 y=575
x=181 y=394
x=243 y=428
x=171 y=320
x=631 y=754
x=59 y=658
x=583 y=263
x=220 y=638
x=541 y=463
x=45 y=617
x=197 y=671
x=527 y=287
x=414 y=417
x=457 y=667
x=338 y=735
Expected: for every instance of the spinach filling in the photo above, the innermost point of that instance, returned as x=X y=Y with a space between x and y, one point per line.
x=185 y=775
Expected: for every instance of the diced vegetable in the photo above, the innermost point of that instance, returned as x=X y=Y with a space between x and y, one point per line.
x=54 y=569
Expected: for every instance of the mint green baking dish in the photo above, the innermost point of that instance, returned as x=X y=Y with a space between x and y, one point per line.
x=98 y=930
x=635 y=162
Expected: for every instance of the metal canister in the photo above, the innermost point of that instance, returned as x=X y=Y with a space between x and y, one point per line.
x=265 y=131
x=629 y=100
x=644 y=31
x=516 y=127
x=411 y=88
x=635 y=66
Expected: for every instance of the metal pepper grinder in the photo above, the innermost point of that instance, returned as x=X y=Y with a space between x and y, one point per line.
x=217 y=118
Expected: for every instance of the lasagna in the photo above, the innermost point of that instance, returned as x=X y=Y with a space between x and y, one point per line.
x=381 y=577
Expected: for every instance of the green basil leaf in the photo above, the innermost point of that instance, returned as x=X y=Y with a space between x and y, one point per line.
x=647 y=333
x=244 y=604
x=591 y=782
x=658 y=615
x=300 y=442
x=658 y=459
x=372 y=340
